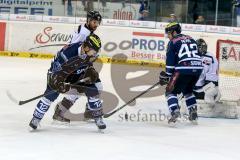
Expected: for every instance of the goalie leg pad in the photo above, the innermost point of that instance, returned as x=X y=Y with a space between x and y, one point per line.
x=212 y=93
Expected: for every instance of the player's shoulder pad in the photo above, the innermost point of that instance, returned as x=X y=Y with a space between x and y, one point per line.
x=180 y=37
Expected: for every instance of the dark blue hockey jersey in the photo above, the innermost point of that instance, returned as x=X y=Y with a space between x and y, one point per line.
x=182 y=56
x=65 y=54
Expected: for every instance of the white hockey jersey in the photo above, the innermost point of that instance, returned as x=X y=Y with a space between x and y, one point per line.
x=210 y=70
x=81 y=34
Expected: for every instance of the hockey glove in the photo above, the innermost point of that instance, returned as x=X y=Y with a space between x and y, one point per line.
x=56 y=82
x=92 y=74
x=163 y=78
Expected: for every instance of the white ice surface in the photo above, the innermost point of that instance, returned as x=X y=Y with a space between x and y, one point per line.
x=212 y=139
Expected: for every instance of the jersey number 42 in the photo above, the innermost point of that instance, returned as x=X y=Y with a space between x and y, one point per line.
x=188 y=51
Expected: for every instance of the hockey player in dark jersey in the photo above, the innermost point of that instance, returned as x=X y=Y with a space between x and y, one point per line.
x=94 y=19
x=183 y=68
x=70 y=66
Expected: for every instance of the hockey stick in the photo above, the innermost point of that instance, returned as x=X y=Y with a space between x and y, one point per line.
x=133 y=99
x=21 y=102
x=10 y=96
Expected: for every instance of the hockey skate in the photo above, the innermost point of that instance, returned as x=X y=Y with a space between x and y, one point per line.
x=58 y=115
x=34 y=123
x=175 y=115
x=193 y=117
x=99 y=123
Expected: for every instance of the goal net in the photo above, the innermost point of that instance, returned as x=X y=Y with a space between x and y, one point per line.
x=228 y=54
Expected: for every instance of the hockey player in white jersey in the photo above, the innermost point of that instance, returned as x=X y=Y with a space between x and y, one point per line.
x=94 y=19
x=207 y=86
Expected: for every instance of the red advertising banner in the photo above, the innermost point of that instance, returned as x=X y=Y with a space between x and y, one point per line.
x=2 y=35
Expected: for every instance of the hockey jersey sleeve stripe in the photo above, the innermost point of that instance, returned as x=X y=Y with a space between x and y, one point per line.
x=190 y=59
x=169 y=70
x=170 y=66
x=192 y=67
x=168 y=73
x=63 y=57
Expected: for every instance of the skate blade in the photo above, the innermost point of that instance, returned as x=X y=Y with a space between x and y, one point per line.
x=101 y=131
x=59 y=123
x=174 y=124
x=195 y=122
x=88 y=120
x=30 y=129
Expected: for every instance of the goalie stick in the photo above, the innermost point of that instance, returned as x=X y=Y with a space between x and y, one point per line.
x=22 y=102
x=130 y=101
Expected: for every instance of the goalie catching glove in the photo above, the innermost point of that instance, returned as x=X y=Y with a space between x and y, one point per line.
x=164 y=78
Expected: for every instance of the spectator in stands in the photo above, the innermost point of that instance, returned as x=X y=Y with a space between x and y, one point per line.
x=143 y=10
x=195 y=11
x=69 y=8
x=238 y=12
x=200 y=20
x=173 y=18
x=144 y=6
x=144 y=16
x=88 y=5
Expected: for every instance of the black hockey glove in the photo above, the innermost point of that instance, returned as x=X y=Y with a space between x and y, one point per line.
x=92 y=74
x=164 y=78
x=56 y=82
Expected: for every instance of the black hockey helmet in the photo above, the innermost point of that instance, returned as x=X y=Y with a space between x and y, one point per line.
x=202 y=46
x=173 y=26
x=94 y=15
x=94 y=42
